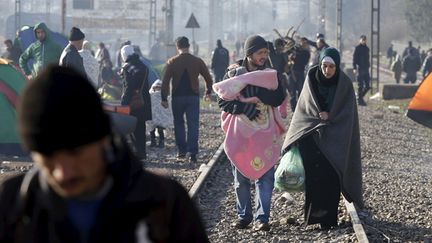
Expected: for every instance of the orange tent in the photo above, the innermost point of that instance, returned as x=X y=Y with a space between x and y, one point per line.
x=420 y=107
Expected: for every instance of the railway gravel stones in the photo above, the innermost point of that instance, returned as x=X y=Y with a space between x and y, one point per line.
x=397 y=176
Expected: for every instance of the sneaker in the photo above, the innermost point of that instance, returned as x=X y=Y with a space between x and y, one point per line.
x=153 y=143
x=240 y=224
x=193 y=158
x=260 y=226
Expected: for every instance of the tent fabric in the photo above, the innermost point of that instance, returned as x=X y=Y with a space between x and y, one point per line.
x=12 y=81
x=27 y=37
x=420 y=107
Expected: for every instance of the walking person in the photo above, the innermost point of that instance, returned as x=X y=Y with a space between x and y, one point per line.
x=86 y=186
x=361 y=66
x=181 y=73
x=427 y=64
x=12 y=53
x=43 y=52
x=300 y=59
x=220 y=61
x=135 y=74
x=161 y=118
x=249 y=99
x=411 y=64
x=390 y=54
x=325 y=128
x=396 y=67
x=91 y=65
x=70 y=56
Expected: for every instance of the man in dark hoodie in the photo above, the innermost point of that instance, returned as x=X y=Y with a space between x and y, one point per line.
x=86 y=185
x=43 y=52
x=220 y=61
x=70 y=56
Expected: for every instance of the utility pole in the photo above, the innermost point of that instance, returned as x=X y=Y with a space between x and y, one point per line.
x=339 y=26
x=375 y=43
x=63 y=15
x=212 y=4
x=48 y=11
x=322 y=16
x=17 y=14
x=152 y=22
x=169 y=22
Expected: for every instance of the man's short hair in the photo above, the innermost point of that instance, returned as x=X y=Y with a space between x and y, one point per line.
x=362 y=37
x=8 y=41
x=182 y=42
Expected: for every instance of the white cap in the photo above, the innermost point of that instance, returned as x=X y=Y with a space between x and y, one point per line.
x=328 y=59
x=126 y=51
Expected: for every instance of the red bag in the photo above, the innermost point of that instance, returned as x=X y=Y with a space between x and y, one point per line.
x=137 y=100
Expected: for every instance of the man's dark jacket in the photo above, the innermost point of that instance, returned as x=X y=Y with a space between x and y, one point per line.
x=71 y=58
x=361 y=58
x=135 y=198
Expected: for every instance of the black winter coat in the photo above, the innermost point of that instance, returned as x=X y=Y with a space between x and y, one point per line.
x=361 y=58
x=135 y=75
x=136 y=200
x=71 y=58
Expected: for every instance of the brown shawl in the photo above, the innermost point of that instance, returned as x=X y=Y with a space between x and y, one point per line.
x=338 y=138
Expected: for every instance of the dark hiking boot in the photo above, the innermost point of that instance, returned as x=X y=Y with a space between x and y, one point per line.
x=181 y=156
x=152 y=139
x=361 y=102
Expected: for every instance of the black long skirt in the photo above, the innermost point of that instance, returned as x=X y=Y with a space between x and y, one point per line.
x=322 y=185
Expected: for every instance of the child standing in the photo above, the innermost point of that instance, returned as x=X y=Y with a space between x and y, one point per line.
x=161 y=118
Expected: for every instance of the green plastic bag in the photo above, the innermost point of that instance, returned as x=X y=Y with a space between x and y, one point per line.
x=290 y=174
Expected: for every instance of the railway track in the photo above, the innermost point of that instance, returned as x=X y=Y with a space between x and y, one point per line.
x=396 y=159
x=214 y=195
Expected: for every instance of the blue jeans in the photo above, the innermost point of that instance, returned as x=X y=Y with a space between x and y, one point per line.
x=189 y=105
x=263 y=194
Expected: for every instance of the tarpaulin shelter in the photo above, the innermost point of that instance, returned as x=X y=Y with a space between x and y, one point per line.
x=26 y=37
x=12 y=81
x=420 y=107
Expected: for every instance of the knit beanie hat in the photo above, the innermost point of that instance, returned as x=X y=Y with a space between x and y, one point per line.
x=76 y=34
x=253 y=44
x=330 y=52
x=126 y=51
x=60 y=109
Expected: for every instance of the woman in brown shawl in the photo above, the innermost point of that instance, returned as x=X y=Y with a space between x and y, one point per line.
x=325 y=128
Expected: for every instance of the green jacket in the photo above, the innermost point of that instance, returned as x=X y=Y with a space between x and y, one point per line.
x=42 y=53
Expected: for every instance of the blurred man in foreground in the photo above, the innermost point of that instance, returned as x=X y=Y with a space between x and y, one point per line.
x=86 y=185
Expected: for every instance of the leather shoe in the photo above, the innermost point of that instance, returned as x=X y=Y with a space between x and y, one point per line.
x=260 y=226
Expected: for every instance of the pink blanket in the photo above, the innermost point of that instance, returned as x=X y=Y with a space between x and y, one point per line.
x=252 y=146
